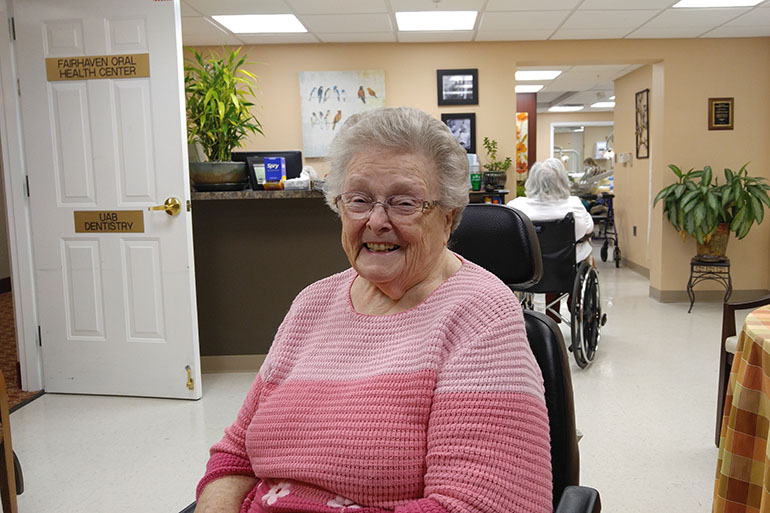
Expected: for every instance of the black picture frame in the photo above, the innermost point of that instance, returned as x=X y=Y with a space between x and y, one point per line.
x=721 y=113
x=457 y=86
x=642 y=129
x=463 y=127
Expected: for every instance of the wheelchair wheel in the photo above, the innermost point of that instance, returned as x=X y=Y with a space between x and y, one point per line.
x=616 y=256
x=585 y=315
x=604 y=250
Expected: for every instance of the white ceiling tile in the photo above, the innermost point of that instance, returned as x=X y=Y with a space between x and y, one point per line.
x=444 y=36
x=513 y=35
x=430 y=5
x=212 y=7
x=531 y=5
x=337 y=6
x=683 y=18
x=200 y=31
x=188 y=11
x=603 y=33
x=742 y=31
x=754 y=18
x=625 y=4
x=665 y=32
x=349 y=23
x=357 y=37
x=539 y=20
x=267 y=39
x=608 y=20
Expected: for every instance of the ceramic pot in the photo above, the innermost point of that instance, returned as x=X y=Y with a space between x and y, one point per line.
x=495 y=180
x=210 y=173
x=714 y=250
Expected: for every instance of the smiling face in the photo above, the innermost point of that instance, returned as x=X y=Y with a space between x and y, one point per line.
x=395 y=255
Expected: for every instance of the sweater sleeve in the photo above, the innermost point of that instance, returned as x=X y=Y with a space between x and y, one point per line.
x=228 y=456
x=488 y=433
x=584 y=223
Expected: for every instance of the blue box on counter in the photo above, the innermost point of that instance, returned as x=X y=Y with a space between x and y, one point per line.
x=275 y=172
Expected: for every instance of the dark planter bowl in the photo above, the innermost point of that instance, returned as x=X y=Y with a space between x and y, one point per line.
x=495 y=180
x=211 y=173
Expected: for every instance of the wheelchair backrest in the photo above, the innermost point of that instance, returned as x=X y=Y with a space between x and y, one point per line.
x=502 y=240
x=557 y=246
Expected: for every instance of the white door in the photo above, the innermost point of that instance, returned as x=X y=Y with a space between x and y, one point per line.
x=117 y=310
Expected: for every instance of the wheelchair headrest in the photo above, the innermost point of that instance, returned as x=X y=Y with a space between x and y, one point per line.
x=502 y=240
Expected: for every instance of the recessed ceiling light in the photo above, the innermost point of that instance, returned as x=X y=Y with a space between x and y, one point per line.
x=260 y=23
x=565 y=108
x=716 y=3
x=537 y=75
x=603 y=105
x=435 y=20
x=528 y=88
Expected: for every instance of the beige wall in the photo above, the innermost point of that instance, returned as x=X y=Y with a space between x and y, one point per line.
x=632 y=181
x=687 y=73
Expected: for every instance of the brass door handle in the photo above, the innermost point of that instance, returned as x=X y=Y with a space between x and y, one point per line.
x=172 y=206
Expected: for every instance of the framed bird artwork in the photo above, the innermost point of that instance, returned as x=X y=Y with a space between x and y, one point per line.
x=457 y=86
x=328 y=98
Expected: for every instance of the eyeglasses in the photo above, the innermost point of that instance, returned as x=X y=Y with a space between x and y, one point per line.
x=358 y=205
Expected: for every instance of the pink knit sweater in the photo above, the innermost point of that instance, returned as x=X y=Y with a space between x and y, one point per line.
x=435 y=409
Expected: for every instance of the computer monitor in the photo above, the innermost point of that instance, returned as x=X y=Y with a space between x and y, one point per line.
x=293 y=161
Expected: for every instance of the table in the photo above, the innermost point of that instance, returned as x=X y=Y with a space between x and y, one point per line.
x=702 y=270
x=743 y=465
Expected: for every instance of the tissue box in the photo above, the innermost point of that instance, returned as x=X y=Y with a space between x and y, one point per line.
x=275 y=172
x=297 y=184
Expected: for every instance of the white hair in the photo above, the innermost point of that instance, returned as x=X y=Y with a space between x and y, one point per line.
x=547 y=181
x=402 y=129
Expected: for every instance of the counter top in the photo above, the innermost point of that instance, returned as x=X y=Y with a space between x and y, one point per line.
x=249 y=194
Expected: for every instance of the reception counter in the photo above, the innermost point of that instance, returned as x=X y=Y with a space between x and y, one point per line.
x=254 y=251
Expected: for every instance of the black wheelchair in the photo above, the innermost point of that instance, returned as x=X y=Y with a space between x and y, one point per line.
x=565 y=277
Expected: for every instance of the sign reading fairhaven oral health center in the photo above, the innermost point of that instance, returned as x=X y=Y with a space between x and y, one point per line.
x=98 y=66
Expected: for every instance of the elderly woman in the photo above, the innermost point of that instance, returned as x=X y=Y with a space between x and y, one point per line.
x=548 y=198
x=404 y=383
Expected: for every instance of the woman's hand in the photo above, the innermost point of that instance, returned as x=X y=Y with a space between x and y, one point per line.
x=225 y=495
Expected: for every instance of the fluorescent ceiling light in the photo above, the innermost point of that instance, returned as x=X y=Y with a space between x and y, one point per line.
x=435 y=20
x=537 y=75
x=612 y=98
x=603 y=105
x=716 y=3
x=260 y=23
x=565 y=108
x=528 y=88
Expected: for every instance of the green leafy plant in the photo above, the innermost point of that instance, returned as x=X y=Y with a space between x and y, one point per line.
x=697 y=206
x=218 y=110
x=493 y=164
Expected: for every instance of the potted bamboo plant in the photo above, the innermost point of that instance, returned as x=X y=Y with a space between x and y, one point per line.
x=495 y=171
x=710 y=211
x=219 y=115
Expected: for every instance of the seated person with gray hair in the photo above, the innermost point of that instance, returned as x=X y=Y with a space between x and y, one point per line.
x=548 y=199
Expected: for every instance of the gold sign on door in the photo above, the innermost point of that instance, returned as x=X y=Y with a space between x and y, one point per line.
x=93 y=67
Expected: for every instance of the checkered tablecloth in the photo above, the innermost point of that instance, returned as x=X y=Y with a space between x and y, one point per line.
x=743 y=468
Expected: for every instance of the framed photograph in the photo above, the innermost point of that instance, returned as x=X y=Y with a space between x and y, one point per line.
x=642 y=124
x=720 y=113
x=463 y=127
x=458 y=86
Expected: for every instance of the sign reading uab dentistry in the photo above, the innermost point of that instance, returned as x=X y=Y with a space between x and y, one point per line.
x=98 y=66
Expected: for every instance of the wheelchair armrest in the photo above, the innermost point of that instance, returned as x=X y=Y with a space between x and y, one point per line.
x=579 y=499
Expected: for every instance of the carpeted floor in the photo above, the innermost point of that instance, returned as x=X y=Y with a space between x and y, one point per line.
x=8 y=355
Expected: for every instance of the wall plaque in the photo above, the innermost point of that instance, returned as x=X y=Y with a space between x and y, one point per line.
x=93 y=67
x=109 y=221
x=720 y=113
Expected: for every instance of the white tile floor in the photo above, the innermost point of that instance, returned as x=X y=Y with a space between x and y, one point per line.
x=646 y=409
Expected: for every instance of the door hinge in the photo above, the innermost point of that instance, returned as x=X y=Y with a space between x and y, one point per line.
x=39 y=337
x=12 y=28
x=190 y=381
x=18 y=87
x=189 y=205
x=26 y=184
